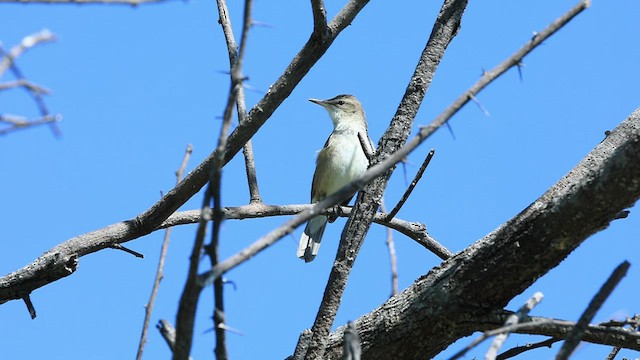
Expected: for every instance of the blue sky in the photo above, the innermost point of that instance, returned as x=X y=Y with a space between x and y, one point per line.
x=136 y=85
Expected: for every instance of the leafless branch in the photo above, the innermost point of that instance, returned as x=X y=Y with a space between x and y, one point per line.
x=578 y=331
x=159 y=272
x=236 y=57
x=319 y=16
x=8 y=59
x=511 y=320
x=393 y=260
x=193 y=287
x=413 y=184
x=444 y=30
x=25 y=84
x=21 y=123
x=127 y=250
x=132 y=3
x=29 y=304
x=515 y=351
x=551 y=228
x=500 y=330
x=513 y=60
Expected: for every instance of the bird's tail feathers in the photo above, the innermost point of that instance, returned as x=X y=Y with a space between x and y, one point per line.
x=310 y=239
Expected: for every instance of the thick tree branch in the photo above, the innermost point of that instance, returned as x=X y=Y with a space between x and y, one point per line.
x=460 y=296
x=444 y=30
x=62 y=260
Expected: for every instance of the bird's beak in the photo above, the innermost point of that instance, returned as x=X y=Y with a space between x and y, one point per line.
x=319 y=102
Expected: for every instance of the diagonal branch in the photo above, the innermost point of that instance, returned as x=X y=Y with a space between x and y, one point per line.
x=466 y=291
x=61 y=261
x=444 y=30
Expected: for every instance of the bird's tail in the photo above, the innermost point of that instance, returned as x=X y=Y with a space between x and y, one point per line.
x=310 y=239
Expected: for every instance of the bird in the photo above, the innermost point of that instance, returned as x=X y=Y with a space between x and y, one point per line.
x=341 y=160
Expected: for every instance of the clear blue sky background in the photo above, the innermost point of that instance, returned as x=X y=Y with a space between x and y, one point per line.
x=136 y=85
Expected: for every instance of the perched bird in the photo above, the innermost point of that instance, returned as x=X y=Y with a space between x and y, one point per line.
x=341 y=160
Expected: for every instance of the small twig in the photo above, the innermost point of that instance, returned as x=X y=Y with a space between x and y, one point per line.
x=614 y=352
x=488 y=334
x=29 y=304
x=513 y=352
x=132 y=3
x=236 y=57
x=20 y=123
x=511 y=320
x=577 y=332
x=168 y=333
x=159 y=271
x=413 y=184
x=351 y=343
x=512 y=61
x=392 y=256
x=27 y=43
x=8 y=62
x=25 y=84
x=366 y=146
x=127 y=250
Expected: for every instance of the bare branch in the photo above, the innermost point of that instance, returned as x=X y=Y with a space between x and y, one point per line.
x=159 y=272
x=413 y=184
x=133 y=3
x=393 y=261
x=25 y=84
x=501 y=330
x=513 y=60
x=444 y=30
x=554 y=225
x=21 y=123
x=513 y=319
x=576 y=334
x=127 y=250
x=8 y=59
x=515 y=351
x=319 y=16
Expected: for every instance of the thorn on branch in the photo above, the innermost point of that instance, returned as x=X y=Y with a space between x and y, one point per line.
x=484 y=111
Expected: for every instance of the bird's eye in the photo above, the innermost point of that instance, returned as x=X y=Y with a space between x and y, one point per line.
x=340 y=102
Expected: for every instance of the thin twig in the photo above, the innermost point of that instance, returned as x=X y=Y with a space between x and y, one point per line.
x=505 y=329
x=393 y=261
x=21 y=123
x=413 y=184
x=366 y=146
x=236 y=57
x=132 y=3
x=127 y=250
x=513 y=60
x=30 y=307
x=8 y=62
x=576 y=334
x=515 y=351
x=27 y=43
x=25 y=84
x=514 y=318
x=159 y=272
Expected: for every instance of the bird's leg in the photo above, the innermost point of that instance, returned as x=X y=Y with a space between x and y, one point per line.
x=336 y=211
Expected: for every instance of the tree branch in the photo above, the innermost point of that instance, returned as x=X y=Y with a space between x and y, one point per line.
x=444 y=29
x=464 y=292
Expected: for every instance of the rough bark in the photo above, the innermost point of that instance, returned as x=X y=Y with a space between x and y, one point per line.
x=462 y=294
